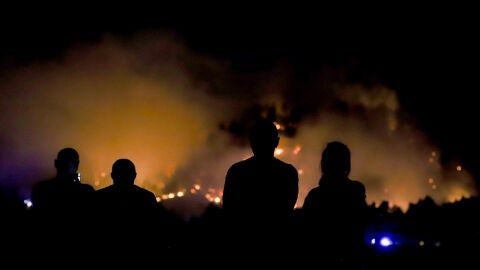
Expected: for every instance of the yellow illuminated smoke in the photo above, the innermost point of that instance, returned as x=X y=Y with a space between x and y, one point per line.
x=152 y=100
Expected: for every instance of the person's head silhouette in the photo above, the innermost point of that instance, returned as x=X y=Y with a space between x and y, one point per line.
x=67 y=163
x=264 y=138
x=123 y=172
x=336 y=160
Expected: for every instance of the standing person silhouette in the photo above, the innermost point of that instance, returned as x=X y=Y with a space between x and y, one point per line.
x=336 y=211
x=62 y=209
x=132 y=216
x=260 y=192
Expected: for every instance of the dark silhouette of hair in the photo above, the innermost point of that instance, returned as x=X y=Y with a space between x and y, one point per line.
x=264 y=138
x=336 y=160
x=123 y=172
x=336 y=210
x=67 y=162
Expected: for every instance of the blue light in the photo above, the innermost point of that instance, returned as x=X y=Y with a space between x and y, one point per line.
x=386 y=241
x=28 y=203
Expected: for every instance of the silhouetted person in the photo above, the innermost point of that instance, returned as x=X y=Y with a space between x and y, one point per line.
x=62 y=207
x=63 y=196
x=130 y=214
x=336 y=212
x=123 y=197
x=260 y=192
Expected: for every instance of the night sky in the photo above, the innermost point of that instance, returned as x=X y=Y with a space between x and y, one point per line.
x=427 y=55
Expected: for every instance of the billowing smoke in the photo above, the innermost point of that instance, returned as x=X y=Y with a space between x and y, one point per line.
x=182 y=116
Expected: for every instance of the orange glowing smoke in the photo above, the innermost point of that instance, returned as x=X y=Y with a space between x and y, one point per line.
x=152 y=100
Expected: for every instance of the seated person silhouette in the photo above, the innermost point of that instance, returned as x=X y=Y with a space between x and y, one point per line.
x=260 y=192
x=336 y=210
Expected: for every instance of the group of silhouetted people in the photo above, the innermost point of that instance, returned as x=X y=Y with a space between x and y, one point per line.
x=258 y=215
x=121 y=220
x=329 y=229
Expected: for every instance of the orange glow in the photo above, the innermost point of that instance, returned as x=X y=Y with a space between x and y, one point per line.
x=277 y=125
x=166 y=118
x=169 y=171
x=297 y=150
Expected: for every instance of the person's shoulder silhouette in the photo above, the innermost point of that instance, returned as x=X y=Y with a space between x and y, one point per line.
x=123 y=195
x=261 y=186
x=336 y=191
x=65 y=191
x=131 y=214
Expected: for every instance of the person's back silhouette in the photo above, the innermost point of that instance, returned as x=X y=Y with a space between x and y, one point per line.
x=123 y=197
x=336 y=210
x=131 y=214
x=260 y=192
x=62 y=209
x=64 y=196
